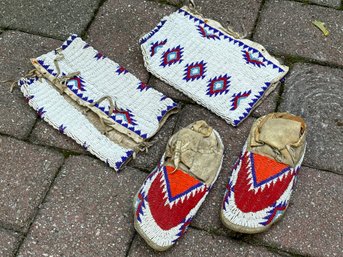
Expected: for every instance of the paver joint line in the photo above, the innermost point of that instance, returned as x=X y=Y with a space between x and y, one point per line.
x=308 y=2
x=66 y=153
x=84 y=34
x=9 y=228
x=292 y=23
x=32 y=128
x=130 y=244
x=3 y=30
x=281 y=90
x=320 y=169
x=292 y=60
x=251 y=36
x=272 y=248
x=38 y=208
x=242 y=238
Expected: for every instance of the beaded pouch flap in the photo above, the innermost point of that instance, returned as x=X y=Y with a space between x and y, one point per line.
x=95 y=101
x=200 y=58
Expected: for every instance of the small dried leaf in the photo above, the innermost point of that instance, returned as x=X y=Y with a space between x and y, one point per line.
x=321 y=25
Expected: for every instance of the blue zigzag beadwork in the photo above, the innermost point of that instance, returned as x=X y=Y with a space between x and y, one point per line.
x=218 y=85
x=172 y=56
x=143 y=86
x=236 y=99
x=121 y=70
x=207 y=32
x=123 y=159
x=255 y=59
x=99 y=56
x=156 y=46
x=195 y=71
x=76 y=82
x=274 y=213
x=153 y=32
x=125 y=116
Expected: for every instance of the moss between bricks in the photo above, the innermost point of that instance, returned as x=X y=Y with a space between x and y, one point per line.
x=177 y=3
x=67 y=153
x=279 y=97
x=272 y=247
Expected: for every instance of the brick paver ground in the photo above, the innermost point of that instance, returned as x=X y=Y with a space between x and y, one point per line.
x=51 y=18
x=285 y=28
x=16 y=49
x=44 y=134
x=8 y=242
x=87 y=212
x=26 y=175
x=57 y=200
x=315 y=92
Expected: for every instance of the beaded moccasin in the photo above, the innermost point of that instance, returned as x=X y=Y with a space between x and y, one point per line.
x=172 y=194
x=264 y=176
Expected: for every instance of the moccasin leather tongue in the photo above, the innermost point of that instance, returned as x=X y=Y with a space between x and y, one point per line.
x=280 y=132
x=202 y=128
x=195 y=150
x=280 y=136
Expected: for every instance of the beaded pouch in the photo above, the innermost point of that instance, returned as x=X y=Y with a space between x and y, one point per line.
x=200 y=58
x=95 y=101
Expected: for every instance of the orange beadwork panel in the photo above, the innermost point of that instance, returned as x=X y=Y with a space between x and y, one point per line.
x=179 y=181
x=266 y=167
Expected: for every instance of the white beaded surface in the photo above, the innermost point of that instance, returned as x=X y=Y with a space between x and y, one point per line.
x=219 y=54
x=143 y=107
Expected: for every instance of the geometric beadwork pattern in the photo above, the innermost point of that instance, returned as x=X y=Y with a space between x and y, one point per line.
x=99 y=56
x=254 y=58
x=76 y=82
x=169 y=198
x=207 y=32
x=237 y=98
x=41 y=112
x=195 y=71
x=143 y=86
x=227 y=75
x=121 y=70
x=275 y=213
x=124 y=116
x=61 y=128
x=218 y=85
x=172 y=56
x=166 y=204
x=156 y=46
x=99 y=78
x=258 y=192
